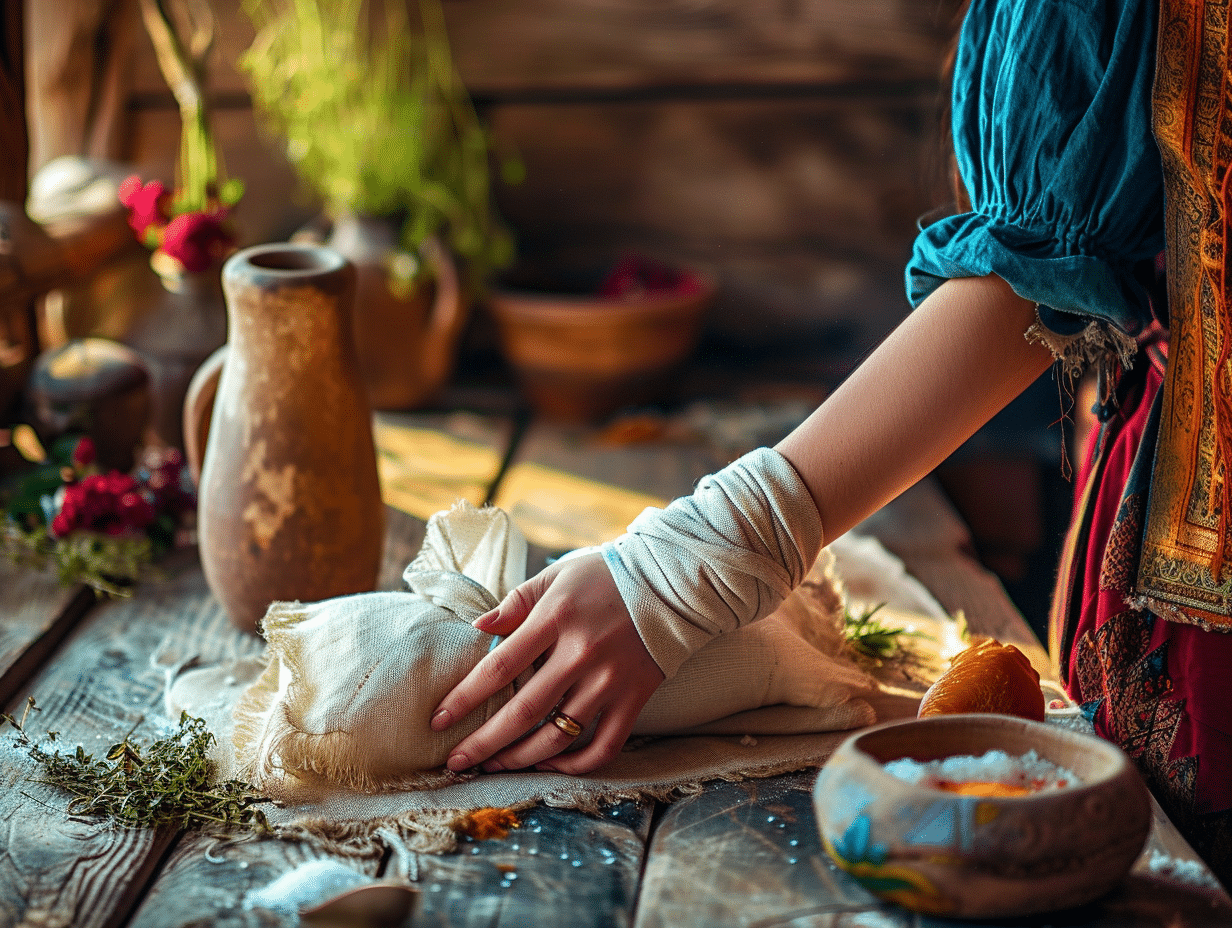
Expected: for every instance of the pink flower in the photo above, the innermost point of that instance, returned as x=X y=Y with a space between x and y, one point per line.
x=148 y=205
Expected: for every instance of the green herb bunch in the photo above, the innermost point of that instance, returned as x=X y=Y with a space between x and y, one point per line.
x=376 y=119
x=869 y=637
x=167 y=783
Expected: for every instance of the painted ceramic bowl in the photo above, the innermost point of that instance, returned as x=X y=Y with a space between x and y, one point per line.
x=981 y=856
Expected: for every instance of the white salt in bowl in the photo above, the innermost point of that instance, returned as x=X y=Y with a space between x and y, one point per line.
x=967 y=856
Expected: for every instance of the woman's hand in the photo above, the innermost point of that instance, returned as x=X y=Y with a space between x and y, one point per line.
x=595 y=667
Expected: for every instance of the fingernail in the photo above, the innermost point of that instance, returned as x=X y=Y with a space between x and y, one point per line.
x=546 y=768
x=492 y=767
x=483 y=619
x=440 y=720
x=458 y=762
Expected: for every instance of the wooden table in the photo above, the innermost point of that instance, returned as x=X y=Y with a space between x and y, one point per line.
x=735 y=854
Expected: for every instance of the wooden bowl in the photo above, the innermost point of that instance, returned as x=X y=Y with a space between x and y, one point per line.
x=978 y=857
x=580 y=358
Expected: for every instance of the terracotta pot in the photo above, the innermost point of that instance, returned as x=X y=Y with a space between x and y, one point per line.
x=289 y=502
x=407 y=342
x=580 y=358
x=977 y=856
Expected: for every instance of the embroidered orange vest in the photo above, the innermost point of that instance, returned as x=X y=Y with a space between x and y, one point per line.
x=1185 y=572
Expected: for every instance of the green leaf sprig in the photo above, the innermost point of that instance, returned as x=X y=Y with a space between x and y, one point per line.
x=167 y=783
x=870 y=638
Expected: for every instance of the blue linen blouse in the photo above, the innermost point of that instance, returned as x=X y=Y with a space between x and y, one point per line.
x=1052 y=136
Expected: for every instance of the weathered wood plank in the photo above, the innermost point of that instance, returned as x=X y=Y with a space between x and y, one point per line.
x=207 y=882
x=838 y=177
x=567 y=488
x=743 y=854
x=503 y=48
x=36 y=612
x=661 y=469
x=559 y=869
x=627 y=43
x=430 y=460
x=749 y=854
x=102 y=686
x=563 y=868
x=108 y=680
x=774 y=198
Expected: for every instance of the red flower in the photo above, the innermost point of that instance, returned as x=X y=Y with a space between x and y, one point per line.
x=197 y=240
x=166 y=483
x=148 y=205
x=83 y=454
x=134 y=511
x=111 y=503
x=634 y=275
x=63 y=524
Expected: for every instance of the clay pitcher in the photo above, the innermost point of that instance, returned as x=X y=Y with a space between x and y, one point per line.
x=407 y=341
x=289 y=499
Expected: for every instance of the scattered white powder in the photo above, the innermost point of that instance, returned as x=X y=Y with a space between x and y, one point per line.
x=1183 y=871
x=1026 y=770
x=307 y=885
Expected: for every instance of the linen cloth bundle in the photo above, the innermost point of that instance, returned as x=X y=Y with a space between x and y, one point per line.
x=350 y=684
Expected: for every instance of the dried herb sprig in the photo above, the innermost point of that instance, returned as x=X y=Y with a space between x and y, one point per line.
x=870 y=638
x=167 y=783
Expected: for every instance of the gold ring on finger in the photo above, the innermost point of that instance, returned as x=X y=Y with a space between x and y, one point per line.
x=566 y=723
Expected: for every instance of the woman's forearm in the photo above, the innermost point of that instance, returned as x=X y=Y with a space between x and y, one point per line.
x=952 y=364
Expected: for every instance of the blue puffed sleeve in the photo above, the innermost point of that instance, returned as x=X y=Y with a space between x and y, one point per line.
x=1052 y=136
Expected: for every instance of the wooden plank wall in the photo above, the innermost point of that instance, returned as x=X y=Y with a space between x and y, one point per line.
x=788 y=145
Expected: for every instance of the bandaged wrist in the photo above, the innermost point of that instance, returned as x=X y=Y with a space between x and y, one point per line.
x=718 y=559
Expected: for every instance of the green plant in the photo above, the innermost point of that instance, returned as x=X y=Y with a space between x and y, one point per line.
x=376 y=119
x=870 y=638
x=168 y=783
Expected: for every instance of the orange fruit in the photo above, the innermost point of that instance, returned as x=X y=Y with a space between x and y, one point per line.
x=987 y=677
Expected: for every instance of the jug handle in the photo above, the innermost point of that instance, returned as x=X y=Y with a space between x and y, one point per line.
x=448 y=314
x=199 y=410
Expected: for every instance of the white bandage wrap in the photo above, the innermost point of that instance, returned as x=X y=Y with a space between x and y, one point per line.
x=719 y=559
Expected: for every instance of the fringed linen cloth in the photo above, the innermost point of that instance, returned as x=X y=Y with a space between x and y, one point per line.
x=334 y=721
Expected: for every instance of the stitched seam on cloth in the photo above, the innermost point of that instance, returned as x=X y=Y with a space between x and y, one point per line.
x=1174 y=613
x=359 y=687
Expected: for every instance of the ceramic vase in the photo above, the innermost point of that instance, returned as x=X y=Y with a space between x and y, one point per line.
x=184 y=319
x=406 y=333
x=289 y=499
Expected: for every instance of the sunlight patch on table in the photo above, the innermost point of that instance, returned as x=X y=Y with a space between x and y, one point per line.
x=561 y=511
x=423 y=471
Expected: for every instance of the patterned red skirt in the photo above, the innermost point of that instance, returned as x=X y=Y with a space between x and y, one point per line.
x=1159 y=689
